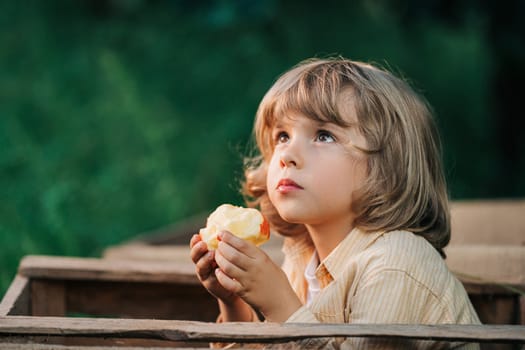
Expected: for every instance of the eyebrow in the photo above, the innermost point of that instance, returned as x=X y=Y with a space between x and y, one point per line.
x=331 y=125
x=323 y=124
x=280 y=124
x=320 y=124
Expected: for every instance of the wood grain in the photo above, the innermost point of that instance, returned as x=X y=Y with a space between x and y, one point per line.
x=16 y=300
x=190 y=331
x=62 y=268
x=488 y=222
x=48 y=298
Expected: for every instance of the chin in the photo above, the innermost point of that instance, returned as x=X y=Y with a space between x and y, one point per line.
x=292 y=218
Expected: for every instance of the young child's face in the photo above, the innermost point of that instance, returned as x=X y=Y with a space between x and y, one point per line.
x=313 y=173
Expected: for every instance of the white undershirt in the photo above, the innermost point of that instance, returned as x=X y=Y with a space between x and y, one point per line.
x=313 y=282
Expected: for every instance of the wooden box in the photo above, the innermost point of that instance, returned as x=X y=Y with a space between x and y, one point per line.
x=487 y=253
x=68 y=300
x=74 y=303
x=144 y=294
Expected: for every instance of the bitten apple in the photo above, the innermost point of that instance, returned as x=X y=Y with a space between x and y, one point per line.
x=246 y=223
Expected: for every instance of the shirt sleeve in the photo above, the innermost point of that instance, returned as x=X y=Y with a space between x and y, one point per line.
x=391 y=296
x=388 y=297
x=394 y=297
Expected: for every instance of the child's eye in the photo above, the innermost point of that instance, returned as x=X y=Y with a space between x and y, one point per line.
x=281 y=137
x=325 y=136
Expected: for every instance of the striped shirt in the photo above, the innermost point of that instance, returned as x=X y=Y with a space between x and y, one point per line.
x=393 y=277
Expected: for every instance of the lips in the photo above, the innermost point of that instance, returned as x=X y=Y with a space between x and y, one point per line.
x=287 y=185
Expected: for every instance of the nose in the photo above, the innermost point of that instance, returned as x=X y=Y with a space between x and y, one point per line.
x=287 y=161
x=291 y=156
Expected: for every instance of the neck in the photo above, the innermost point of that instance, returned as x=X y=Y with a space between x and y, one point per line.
x=327 y=236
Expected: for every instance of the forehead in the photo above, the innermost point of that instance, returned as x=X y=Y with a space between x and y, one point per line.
x=338 y=109
x=294 y=117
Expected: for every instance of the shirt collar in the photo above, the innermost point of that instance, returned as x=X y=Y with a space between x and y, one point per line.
x=354 y=243
x=299 y=249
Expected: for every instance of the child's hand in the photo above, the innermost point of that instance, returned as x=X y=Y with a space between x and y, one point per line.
x=205 y=267
x=248 y=272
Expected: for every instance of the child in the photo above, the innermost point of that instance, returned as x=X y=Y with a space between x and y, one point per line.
x=350 y=174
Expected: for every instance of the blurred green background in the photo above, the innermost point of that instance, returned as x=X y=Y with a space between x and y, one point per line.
x=123 y=116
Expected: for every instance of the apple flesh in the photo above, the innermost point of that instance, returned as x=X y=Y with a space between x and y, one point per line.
x=246 y=223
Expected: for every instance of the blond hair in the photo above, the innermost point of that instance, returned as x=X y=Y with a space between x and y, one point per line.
x=405 y=188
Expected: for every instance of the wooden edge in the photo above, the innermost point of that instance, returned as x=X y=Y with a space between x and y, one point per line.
x=34 y=346
x=492 y=288
x=17 y=299
x=144 y=252
x=29 y=342
x=51 y=267
x=193 y=331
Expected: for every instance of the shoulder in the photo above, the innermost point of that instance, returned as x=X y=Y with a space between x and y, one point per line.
x=407 y=253
x=368 y=252
x=403 y=248
x=404 y=269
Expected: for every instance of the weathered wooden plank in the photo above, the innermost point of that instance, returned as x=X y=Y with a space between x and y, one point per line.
x=140 y=251
x=496 y=309
x=70 y=342
x=488 y=264
x=492 y=289
x=488 y=222
x=190 y=331
x=16 y=300
x=61 y=268
x=48 y=298
x=35 y=346
x=141 y=300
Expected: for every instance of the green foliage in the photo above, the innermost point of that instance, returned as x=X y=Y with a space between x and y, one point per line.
x=119 y=117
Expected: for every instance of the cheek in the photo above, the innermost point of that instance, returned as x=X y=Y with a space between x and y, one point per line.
x=347 y=178
x=359 y=173
x=271 y=173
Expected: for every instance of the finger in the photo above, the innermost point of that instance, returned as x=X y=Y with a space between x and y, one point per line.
x=234 y=256
x=197 y=251
x=194 y=239
x=228 y=267
x=206 y=265
x=239 y=244
x=227 y=282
